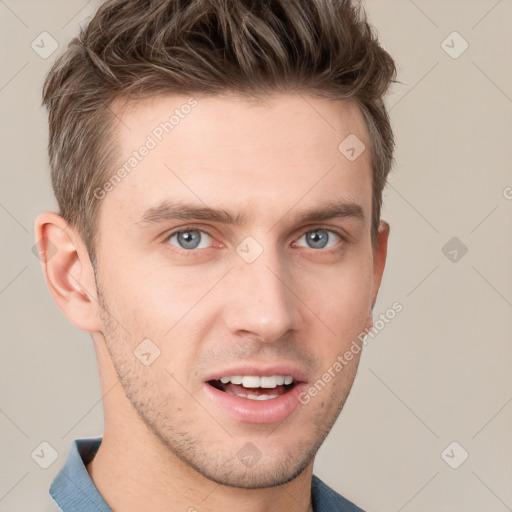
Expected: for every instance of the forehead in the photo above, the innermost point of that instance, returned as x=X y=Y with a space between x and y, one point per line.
x=261 y=157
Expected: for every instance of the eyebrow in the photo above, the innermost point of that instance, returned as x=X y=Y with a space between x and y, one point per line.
x=168 y=210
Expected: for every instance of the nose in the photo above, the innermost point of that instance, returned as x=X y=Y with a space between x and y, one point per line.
x=263 y=303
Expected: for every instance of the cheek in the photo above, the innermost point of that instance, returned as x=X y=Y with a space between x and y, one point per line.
x=158 y=292
x=344 y=304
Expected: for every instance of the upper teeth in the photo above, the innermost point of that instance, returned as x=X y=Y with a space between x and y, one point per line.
x=254 y=381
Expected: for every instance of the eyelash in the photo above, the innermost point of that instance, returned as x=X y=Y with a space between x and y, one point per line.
x=194 y=252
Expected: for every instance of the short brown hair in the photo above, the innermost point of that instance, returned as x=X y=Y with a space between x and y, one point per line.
x=134 y=49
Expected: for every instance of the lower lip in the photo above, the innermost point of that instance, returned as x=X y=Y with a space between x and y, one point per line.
x=273 y=410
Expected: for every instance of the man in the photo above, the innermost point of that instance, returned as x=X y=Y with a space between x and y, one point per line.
x=219 y=168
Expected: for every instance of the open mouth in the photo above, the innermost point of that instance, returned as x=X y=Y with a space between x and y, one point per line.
x=253 y=387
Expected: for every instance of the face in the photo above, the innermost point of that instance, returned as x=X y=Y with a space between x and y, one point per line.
x=218 y=321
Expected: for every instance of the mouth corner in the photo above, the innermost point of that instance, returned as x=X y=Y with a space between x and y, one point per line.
x=217 y=384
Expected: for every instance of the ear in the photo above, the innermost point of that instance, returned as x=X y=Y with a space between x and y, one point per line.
x=379 y=261
x=68 y=270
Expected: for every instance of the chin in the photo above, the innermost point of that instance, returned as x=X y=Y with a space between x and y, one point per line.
x=258 y=477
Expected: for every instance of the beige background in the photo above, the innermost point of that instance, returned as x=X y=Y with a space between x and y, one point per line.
x=438 y=373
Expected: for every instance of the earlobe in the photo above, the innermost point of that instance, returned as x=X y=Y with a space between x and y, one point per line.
x=68 y=271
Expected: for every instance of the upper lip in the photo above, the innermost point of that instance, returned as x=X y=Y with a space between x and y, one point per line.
x=262 y=370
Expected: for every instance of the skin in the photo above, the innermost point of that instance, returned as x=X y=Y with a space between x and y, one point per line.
x=165 y=442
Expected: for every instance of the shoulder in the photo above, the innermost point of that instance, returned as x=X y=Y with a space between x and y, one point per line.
x=326 y=499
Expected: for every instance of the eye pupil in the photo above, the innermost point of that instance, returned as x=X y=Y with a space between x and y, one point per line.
x=319 y=241
x=189 y=238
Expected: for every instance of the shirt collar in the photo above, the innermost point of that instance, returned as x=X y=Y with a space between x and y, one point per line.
x=73 y=488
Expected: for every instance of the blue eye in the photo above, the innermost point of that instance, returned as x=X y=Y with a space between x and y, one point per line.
x=189 y=238
x=319 y=238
